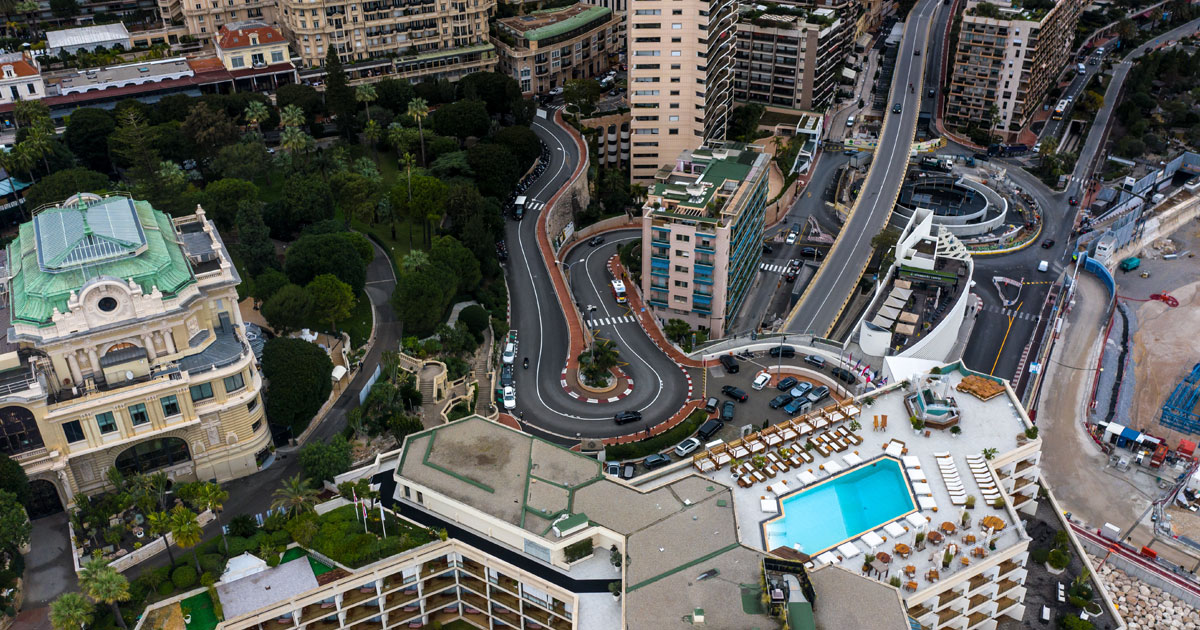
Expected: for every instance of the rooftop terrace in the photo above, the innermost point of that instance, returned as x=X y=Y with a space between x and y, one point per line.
x=707 y=183
x=551 y=22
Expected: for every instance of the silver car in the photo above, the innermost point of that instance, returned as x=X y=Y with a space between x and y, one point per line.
x=686 y=447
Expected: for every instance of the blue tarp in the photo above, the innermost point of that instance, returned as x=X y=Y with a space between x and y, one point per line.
x=1130 y=434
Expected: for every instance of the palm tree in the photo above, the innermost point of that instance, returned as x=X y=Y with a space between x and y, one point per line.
x=395 y=136
x=212 y=497
x=104 y=584
x=71 y=611
x=365 y=94
x=294 y=140
x=186 y=530
x=371 y=132
x=291 y=116
x=638 y=193
x=159 y=524
x=22 y=159
x=408 y=161
x=295 y=496
x=418 y=108
x=255 y=113
x=38 y=141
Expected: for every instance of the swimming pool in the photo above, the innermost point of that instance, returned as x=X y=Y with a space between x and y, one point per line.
x=844 y=507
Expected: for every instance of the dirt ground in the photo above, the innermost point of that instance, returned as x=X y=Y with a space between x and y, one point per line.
x=1163 y=353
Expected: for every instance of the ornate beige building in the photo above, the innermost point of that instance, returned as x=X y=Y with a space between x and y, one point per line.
x=124 y=348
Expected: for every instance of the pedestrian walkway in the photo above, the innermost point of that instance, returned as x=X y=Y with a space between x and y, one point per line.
x=533 y=205
x=772 y=268
x=1008 y=312
x=481 y=372
x=611 y=321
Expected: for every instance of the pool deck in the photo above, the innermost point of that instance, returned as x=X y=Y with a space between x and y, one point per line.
x=984 y=424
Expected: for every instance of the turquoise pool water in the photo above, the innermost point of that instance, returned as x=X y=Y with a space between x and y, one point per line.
x=833 y=511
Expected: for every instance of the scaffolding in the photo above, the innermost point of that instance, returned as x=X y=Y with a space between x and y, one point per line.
x=1179 y=411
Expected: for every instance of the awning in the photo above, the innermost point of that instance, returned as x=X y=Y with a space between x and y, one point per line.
x=1115 y=428
x=1130 y=434
x=849 y=74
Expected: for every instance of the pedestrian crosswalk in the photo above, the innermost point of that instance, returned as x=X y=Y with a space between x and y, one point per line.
x=609 y=321
x=533 y=206
x=1008 y=312
x=773 y=268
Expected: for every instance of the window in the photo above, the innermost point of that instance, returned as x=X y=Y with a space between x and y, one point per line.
x=170 y=406
x=31 y=88
x=200 y=392
x=138 y=415
x=18 y=431
x=238 y=62
x=673 y=118
x=645 y=53
x=256 y=426
x=107 y=304
x=234 y=383
x=647 y=12
x=106 y=422
x=277 y=56
x=73 y=431
x=673 y=132
x=681 y=269
x=152 y=455
x=252 y=405
x=677 y=26
x=683 y=237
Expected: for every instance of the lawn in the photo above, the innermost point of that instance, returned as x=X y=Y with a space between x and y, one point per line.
x=200 y=606
x=318 y=567
x=358 y=326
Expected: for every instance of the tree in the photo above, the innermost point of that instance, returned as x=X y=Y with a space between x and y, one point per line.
x=295 y=496
x=104 y=584
x=14 y=480
x=581 y=95
x=225 y=198
x=404 y=205
x=677 y=330
x=339 y=97
x=209 y=129
x=461 y=119
x=614 y=190
x=268 y=283
x=325 y=460
x=298 y=373
x=476 y=319
x=295 y=141
x=306 y=200
x=307 y=98
x=421 y=297
x=395 y=94
x=1091 y=101
x=62 y=184
x=356 y=196
x=332 y=299
x=448 y=253
x=596 y=362
x=365 y=94
x=38 y=141
x=288 y=309
x=132 y=144
x=315 y=254
x=26 y=112
x=291 y=116
x=886 y=240
x=521 y=141
x=418 y=109
x=15 y=527
x=87 y=135
x=71 y=611
x=160 y=524
x=256 y=112
x=254 y=238
x=497 y=170
x=212 y=496
x=372 y=132
x=185 y=529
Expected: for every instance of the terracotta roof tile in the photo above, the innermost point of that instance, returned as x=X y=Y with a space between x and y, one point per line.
x=240 y=38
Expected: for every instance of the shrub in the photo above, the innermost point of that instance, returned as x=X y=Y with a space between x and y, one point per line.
x=208 y=579
x=238 y=546
x=578 y=551
x=212 y=562
x=164 y=589
x=1059 y=559
x=1031 y=433
x=242 y=525
x=895 y=582
x=1040 y=555
x=322 y=461
x=183 y=577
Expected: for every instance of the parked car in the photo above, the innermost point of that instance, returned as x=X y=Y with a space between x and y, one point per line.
x=510 y=398
x=818 y=394
x=787 y=383
x=710 y=428
x=761 y=381
x=506 y=375
x=510 y=353
x=801 y=389
x=811 y=252
x=625 y=417
x=815 y=361
x=627 y=471
x=780 y=400
x=796 y=406
x=932 y=92
x=730 y=364
x=844 y=375
x=1048 y=243
x=734 y=393
x=613 y=468
x=555 y=91
x=596 y=240
x=657 y=460
x=685 y=448
x=786 y=352
x=711 y=404
x=727 y=411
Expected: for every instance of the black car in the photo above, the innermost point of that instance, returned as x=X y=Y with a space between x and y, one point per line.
x=506 y=375
x=786 y=352
x=767 y=249
x=732 y=392
x=916 y=52
x=1048 y=243
x=1073 y=200
x=815 y=361
x=896 y=108
x=811 y=252
x=625 y=417
x=657 y=460
x=932 y=92
x=710 y=428
x=711 y=404
x=780 y=400
x=787 y=383
x=596 y=240
x=627 y=471
x=844 y=375
x=727 y=411
x=730 y=364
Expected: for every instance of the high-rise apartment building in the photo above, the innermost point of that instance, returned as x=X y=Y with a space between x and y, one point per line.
x=203 y=18
x=548 y=48
x=1005 y=61
x=789 y=57
x=680 y=78
x=702 y=227
x=125 y=348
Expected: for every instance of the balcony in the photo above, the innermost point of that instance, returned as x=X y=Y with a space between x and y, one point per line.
x=501 y=612
x=399 y=617
x=401 y=598
x=1005 y=586
x=441 y=600
x=974 y=619
x=474 y=568
x=479 y=586
x=434 y=567
x=976 y=583
x=370 y=625
x=508 y=601
x=1007 y=566
x=1003 y=604
x=354 y=596
x=474 y=601
x=397 y=580
x=313 y=612
x=437 y=584
x=976 y=601
x=946 y=615
x=362 y=611
x=560 y=624
x=537 y=614
x=507 y=584
x=324 y=624
x=916 y=612
x=945 y=598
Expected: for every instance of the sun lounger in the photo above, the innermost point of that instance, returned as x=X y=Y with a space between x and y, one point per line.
x=958 y=499
x=795 y=461
x=771 y=471
x=758 y=476
x=942 y=454
x=744 y=482
x=806 y=456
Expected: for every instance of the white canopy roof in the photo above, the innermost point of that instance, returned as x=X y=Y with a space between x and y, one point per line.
x=806 y=477
x=895 y=530
x=916 y=520
x=832 y=467
x=848 y=549
x=851 y=459
x=871 y=540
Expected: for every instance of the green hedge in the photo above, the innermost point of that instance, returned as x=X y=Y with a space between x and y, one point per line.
x=578 y=551
x=660 y=442
x=183 y=577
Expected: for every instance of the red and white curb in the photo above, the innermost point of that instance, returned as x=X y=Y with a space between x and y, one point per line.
x=612 y=399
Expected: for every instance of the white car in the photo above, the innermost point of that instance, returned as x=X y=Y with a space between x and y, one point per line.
x=791 y=238
x=510 y=353
x=1043 y=266
x=510 y=398
x=555 y=91
x=687 y=446
x=761 y=381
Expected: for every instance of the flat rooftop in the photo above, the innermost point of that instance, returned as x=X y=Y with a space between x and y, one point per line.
x=707 y=176
x=912 y=299
x=550 y=22
x=87 y=35
x=144 y=72
x=266 y=588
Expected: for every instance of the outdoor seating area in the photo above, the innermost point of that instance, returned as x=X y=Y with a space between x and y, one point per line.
x=984 y=479
x=949 y=470
x=786 y=447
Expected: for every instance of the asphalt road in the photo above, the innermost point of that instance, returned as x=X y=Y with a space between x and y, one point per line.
x=825 y=297
x=542 y=403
